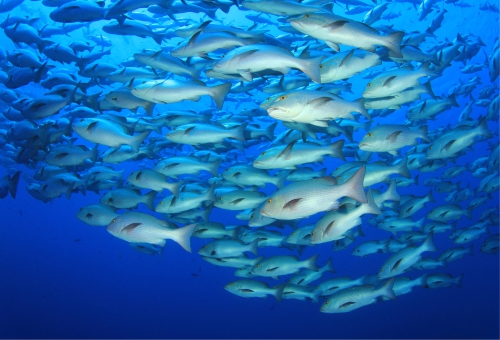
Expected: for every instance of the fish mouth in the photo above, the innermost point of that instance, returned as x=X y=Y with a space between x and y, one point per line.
x=363 y=144
x=263 y=212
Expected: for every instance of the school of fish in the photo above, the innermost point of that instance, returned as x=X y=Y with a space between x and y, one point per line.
x=306 y=108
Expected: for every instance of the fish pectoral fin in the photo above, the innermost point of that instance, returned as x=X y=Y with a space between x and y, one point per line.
x=393 y=152
x=320 y=123
x=91 y=126
x=292 y=204
x=246 y=74
x=245 y=290
x=61 y=155
x=329 y=227
x=130 y=228
x=318 y=102
x=286 y=151
x=396 y=264
x=388 y=81
x=188 y=130
x=347 y=304
x=333 y=46
x=236 y=201
x=272 y=269
x=336 y=24
x=393 y=136
x=448 y=145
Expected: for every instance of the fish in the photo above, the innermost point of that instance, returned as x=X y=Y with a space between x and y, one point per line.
x=251 y=288
x=8 y=185
x=143 y=228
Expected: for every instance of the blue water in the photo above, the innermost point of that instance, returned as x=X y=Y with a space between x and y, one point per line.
x=61 y=278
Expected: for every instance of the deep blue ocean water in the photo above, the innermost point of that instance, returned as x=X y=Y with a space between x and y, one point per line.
x=61 y=278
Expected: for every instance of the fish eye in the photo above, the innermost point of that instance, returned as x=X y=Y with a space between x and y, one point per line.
x=369 y=134
x=113 y=221
x=292 y=234
x=380 y=270
x=369 y=84
x=223 y=55
x=161 y=202
x=282 y=97
x=321 y=66
x=312 y=233
x=358 y=250
x=263 y=153
x=220 y=198
x=251 y=216
x=430 y=147
x=307 y=15
x=338 y=177
x=258 y=265
x=269 y=200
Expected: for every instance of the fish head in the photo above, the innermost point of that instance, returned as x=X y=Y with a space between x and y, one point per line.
x=273 y=206
x=207 y=250
x=114 y=227
x=286 y=106
x=309 y=22
x=264 y=160
x=372 y=141
x=433 y=150
x=328 y=306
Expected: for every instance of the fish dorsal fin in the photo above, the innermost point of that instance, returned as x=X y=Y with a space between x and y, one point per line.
x=130 y=228
x=388 y=81
x=393 y=136
x=204 y=25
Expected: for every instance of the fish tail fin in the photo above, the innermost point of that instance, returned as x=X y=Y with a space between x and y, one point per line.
x=138 y=139
x=336 y=149
x=149 y=107
x=205 y=214
x=453 y=99
x=183 y=236
x=239 y=132
x=269 y=132
x=219 y=93
x=210 y=194
x=424 y=131
x=360 y=106
x=387 y=290
x=429 y=90
x=195 y=73
x=392 y=194
x=93 y=100
x=311 y=68
x=422 y=280
x=420 y=223
x=402 y=168
x=14 y=181
x=348 y=132
x=280 y=179
x=328 y=267
x=214 y=167
x=254 y=247
x=471 y=249
x=430 y=197
x=393 y=42
x=428 y=244
x=315 y=295
x=94 y=154
x=458 y=280
x=175 y=188
x=354 y=186
x=278 y=291
x=310 y=263
x=483 y=128
x=468 y=213
x=370 y=207
x=149 y=200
